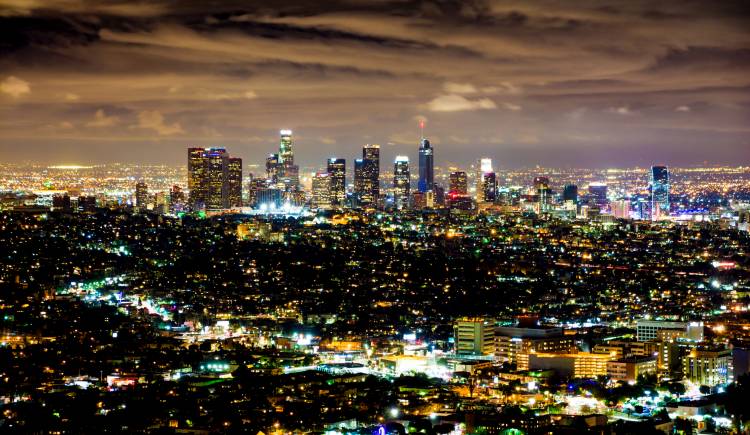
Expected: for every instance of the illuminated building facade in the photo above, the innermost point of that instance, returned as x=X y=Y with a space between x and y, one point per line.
x=401 y=182
x=659 y=185
x=337 y=174
x=211 y=172
x=141 y=195
x=234 y=181
x=367 y=175
x=321 y=190
x=708 y=366
x=475 y=336
x=426 y=180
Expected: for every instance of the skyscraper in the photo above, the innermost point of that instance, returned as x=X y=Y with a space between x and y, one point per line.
x=401 y=182
x=484 y=184
x=458 y=184
x=234 y=181
x=197 y=181
x=287 y=173
x=211 y=172
x=321 y=190
x=426 y=166
x=141 y=195
x=489 y=184
x=570 y=193
x=543 y=191
x=218 y=190
x=598 y=194
x=370 y=174
x=337 y=172
x=659 y=185
x=272 y=168
x=286 y=152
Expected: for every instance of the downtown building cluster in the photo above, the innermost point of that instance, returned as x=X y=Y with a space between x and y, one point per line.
x=215 y=183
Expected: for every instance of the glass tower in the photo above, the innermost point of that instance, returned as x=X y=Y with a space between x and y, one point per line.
x=426 y=166
x=659 y=192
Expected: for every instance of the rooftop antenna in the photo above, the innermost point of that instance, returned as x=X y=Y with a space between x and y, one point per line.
x=421 y=128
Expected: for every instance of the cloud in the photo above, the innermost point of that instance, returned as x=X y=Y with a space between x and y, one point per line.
x=102 y=120
x=503 y=88
x=512 y=107
x=154 y=120
x=458 y=103
x=14 y=86
x=71 y=97
x=682 y=109
x=459 y=88
x=622 y=110
x=327 y=140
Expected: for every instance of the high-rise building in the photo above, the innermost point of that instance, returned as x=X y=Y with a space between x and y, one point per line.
x=197 y=179
x=234 y=181
x=337 y=173
x=253 y=187
x=485 y=167
x=570 y=193
x=286 y=152
x=359 y=179
x=287 y=178
x=211 y=172
x=489 y=183
x=621 y=209
x=426 y=166
x=272 y=168
x=321 y=190
x=218 y=190
x=598 y=194
x=367 y=184
x=401 y=182
x=141 y=195
x=659 y=185
x=458 y=184
x=543 y=192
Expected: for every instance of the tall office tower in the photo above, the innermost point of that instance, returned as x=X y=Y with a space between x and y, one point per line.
x=370 y=174
x=234 y=181
x=176 y=198
x=543 y=192
x=359 y=180
x=485 y=167
x=141 y=195
x=458 y=184
x=288 y=172
x=659 y=192
x=598 y=194
x=209 y=177
x=217 y=197
x=337 y=171
x=401 y=182
x=321 y=190
x=426 y=166
x=286 y=152
x=272 y=168
x=570 y=193
x=197 y=181
x=489 y=184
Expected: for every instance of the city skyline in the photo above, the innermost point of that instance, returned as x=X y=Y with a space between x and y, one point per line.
x=539 y=83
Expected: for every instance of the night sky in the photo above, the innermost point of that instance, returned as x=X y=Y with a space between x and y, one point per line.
x=553 y=83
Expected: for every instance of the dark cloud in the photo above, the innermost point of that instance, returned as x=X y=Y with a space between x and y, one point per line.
x=523 y=82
